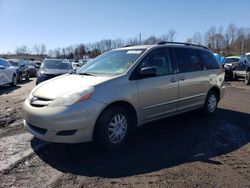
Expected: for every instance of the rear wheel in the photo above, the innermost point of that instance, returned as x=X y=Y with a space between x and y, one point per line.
x=14 y=81
x=247 y=78
x=211 y=103
x=112 y=127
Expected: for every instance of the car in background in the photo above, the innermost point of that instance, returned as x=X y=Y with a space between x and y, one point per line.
x=38 y=64
x=77 y=64
x=85 y=61
x=51 y=68
x=21 y=67
x=219 y=58
x=32 y=69
x=7 y=73
x=228 y=62
x=242 y=68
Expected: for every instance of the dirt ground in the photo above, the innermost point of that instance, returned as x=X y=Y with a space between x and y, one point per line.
x=187 y=150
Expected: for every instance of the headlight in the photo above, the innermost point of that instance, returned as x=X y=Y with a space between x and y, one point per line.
x=73 y=97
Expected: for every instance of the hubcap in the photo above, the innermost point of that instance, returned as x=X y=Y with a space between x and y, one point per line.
x=212 y=103
x=117 y=128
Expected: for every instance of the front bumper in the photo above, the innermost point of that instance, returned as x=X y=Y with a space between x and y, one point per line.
x=72 y=124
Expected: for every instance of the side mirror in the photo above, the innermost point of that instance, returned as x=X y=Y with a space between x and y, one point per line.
x=2 y=67
x=148 y=72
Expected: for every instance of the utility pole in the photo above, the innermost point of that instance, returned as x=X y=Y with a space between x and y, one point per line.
x=140 y=37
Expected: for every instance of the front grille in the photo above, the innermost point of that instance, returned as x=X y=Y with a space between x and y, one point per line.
x=37 y=129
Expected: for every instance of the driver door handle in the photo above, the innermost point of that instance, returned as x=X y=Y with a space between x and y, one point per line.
x=173 y=79
x=182 y=78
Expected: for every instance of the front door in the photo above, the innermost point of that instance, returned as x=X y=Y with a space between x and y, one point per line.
x=158 y=94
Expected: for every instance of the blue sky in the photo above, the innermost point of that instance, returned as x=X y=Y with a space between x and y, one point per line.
x=59 y=23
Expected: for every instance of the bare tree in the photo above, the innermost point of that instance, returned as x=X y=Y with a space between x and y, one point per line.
x=36 y=49
x=51 y=53
x=43 y=49
x=133 y=41
x=22 y=50
x=189 y=40
x=197 y=38
x=242 y=40
x=172 y=35
x=209 y=37
x=117 y=43
x=57 y=52
x=151 y=40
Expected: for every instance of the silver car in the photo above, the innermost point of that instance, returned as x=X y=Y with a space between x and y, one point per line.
x=122 y=89
x=7 y=73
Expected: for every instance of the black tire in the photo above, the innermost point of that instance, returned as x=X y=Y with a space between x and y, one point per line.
x=103 y=134
x=20 y=78
x=235 y=76
x=247 y=78
x=14 y=81
x=211 y=103
x=27 y=78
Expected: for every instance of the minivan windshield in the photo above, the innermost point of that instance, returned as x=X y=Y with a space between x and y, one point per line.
x=55 y=64
x=111 y=63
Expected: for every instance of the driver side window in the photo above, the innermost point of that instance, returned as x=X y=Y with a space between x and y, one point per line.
x=159 y=58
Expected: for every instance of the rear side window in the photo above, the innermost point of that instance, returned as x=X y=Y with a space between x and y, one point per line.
x=188 y=60
x=209 y=60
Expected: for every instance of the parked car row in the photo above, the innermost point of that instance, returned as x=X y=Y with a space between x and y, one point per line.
x=238 y=67
x=8 y=74
x=13 y=71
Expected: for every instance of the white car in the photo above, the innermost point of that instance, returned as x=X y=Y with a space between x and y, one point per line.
x=7 y=73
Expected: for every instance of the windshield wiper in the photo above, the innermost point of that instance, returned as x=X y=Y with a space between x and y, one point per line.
x=86 y=74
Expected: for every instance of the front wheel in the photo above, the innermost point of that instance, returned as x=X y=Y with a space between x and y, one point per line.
x=20 y=78
x=247 y=78
x=112 y=127
x=14 y=81
x=211 y=103
x=27 y=78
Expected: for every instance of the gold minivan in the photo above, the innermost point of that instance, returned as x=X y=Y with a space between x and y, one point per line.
x=122 y=89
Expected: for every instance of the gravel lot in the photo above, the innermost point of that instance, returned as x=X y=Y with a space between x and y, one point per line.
x=187 y=150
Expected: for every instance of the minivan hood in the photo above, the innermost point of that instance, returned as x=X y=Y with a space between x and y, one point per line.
x=58 y=86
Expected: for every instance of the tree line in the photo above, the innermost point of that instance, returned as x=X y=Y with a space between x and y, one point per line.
x=231 y=40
